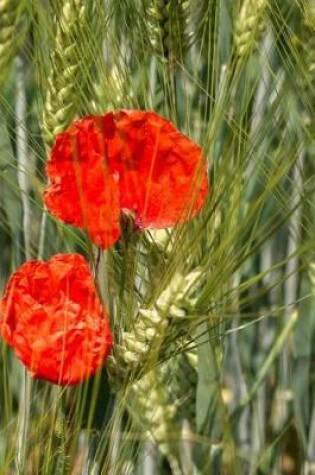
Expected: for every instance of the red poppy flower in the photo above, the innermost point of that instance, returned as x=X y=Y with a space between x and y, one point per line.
x=133 y=161
x=51 y=316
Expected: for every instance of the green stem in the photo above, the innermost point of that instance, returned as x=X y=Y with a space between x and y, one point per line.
x=23 y=166
x=277 y=348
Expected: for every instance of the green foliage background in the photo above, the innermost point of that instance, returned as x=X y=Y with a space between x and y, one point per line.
x=213 y=364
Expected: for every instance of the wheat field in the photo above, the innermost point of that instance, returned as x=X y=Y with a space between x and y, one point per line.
x=212 y=368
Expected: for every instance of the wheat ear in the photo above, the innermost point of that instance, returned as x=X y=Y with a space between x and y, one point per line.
x=249 y=26
x=169 y=27
x=160 y=400
x=71 y=59
x=12 y=31
x=145 y=345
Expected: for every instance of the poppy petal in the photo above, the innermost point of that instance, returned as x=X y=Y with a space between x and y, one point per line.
x=165 y=180
x=82 y=192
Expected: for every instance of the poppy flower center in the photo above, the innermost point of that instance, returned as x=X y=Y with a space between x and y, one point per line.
x=130 y=222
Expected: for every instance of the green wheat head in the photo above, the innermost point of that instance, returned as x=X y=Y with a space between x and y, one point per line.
x=12 y=33
x=249 y=26
x=162 y=399
x=156 y=413
x=142 y=346
x=168 y=27
x=70 y=65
